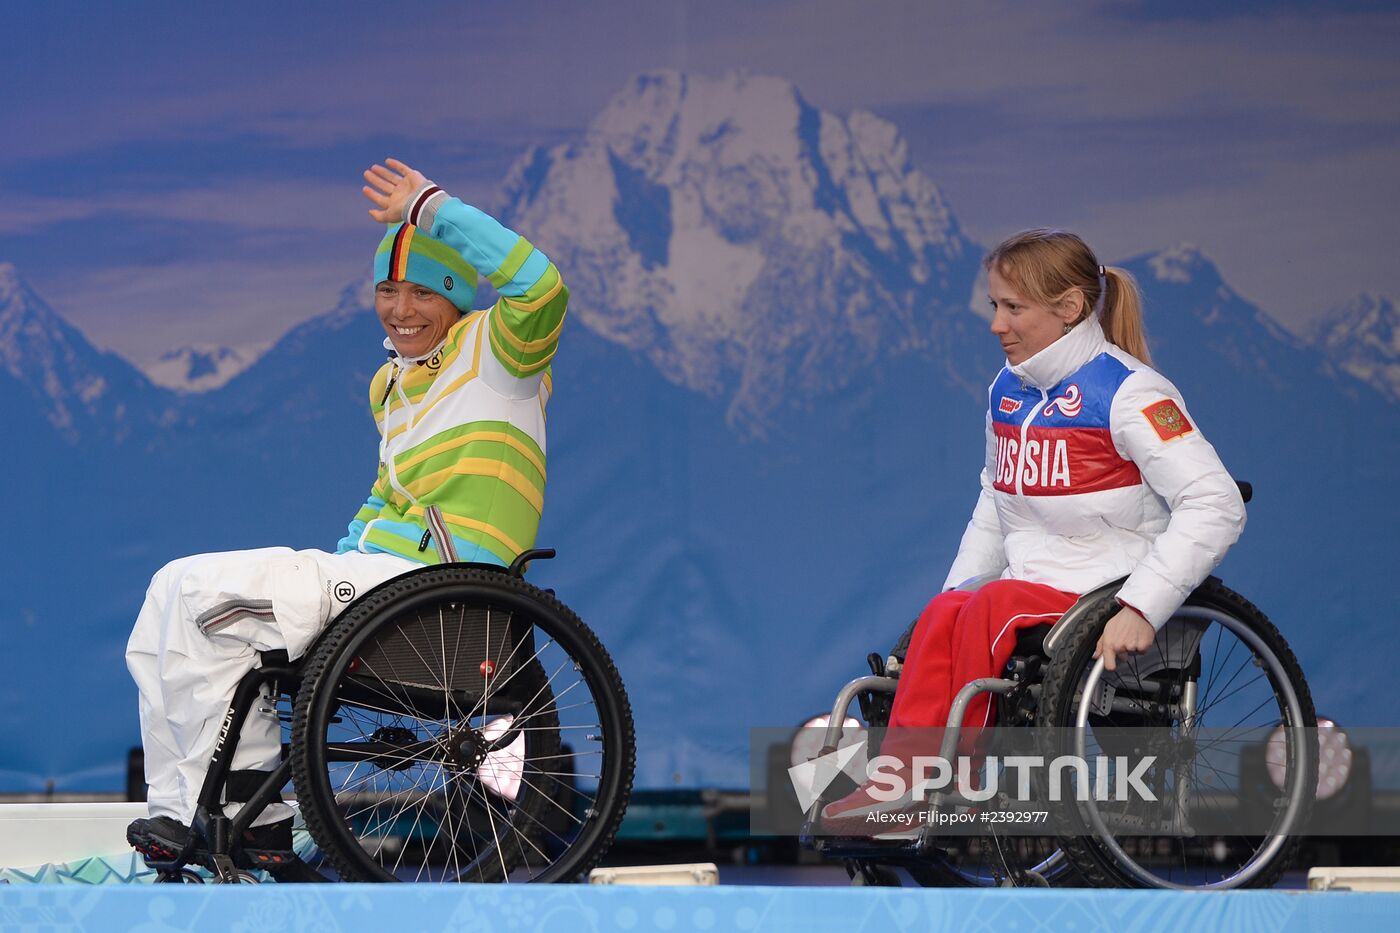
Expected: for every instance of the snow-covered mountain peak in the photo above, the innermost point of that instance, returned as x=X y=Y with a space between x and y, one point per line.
x=1361 y=337
x=9 y=282
x=200 y=367
x=1182 y=264
x=1366 y=318
x=662 y=120
x=777 y=153
x=743 y=240
x=354 y=298
x=63 y=379
x=1196 y=287
x=29 y=329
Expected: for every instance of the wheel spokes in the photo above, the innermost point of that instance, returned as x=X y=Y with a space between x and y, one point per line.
x=474 y=794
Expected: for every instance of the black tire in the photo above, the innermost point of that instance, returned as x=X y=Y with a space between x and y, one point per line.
x=901 y=647
x=463 y=731
x=1107 y=859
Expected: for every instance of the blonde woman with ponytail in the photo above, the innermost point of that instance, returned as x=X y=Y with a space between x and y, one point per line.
x=1094 y=471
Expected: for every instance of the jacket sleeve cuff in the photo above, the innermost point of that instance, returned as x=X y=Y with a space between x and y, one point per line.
x=1127 y=605
x=975 y=582
x=421 y=209
x=351 y=541
x=1151 y=596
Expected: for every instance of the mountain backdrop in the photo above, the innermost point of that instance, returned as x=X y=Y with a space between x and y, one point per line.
x=764 y=437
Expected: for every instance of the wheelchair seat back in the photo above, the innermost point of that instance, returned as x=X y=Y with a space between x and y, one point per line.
x=412 y=654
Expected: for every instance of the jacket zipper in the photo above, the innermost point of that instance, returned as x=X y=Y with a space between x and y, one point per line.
x=1025 y=429
x=384 y=455
x=396 y=385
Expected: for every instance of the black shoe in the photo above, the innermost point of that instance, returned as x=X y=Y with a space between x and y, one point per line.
x=269 y=845
x=159 y=839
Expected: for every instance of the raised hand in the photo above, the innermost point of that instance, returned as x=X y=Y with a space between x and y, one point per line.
x=390 y=188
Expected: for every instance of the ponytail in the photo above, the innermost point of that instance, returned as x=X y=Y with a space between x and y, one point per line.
x=1049 y=265
x=1121 y=317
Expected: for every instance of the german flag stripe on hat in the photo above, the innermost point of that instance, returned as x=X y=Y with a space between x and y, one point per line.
x=398 y=256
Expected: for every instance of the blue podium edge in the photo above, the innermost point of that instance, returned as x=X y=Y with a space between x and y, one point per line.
x=571 y=908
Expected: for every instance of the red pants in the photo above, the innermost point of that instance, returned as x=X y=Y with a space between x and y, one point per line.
x=960 y=637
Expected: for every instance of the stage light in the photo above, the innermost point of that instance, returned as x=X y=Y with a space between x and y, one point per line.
x=1334 y=758
x=1343 y=804
x=779 y=804
x=807 y=742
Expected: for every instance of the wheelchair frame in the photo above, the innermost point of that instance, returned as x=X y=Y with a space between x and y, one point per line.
x=866 y=855
x=221 y=835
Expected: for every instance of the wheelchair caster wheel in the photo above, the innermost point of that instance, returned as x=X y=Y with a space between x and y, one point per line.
x=183 y=876
x=1025 y=879
x=226 y=873
x=866 y=875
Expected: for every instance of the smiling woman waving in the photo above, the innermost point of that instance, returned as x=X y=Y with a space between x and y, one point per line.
x=460 y=408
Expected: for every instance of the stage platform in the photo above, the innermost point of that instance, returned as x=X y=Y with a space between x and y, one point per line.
x=67 y=888
x=578 y=908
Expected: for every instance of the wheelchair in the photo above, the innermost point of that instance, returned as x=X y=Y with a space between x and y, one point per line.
x=1218 y=679
x=454 y=724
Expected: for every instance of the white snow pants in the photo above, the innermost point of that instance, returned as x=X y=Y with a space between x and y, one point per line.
x=204 y=621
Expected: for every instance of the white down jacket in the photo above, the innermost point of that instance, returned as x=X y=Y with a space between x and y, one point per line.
x=1095 y=471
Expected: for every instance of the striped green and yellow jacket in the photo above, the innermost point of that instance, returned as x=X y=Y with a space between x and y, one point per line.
x=464 y=430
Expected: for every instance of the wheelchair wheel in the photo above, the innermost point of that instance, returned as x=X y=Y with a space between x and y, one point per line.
x=429 y=734
x=1218 y=679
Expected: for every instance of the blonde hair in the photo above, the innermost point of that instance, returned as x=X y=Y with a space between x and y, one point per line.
x=1047 y=265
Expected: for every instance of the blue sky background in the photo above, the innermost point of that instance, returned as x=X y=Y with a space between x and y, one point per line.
x=177 y=173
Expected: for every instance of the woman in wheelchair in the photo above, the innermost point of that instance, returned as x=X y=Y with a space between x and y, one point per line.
x=1094 y=471
x=460 y=411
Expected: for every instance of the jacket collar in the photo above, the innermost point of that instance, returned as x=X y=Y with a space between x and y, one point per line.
x=403 y=362
x=1050 y=366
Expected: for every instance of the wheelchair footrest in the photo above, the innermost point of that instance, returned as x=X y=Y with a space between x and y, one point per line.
x=168 y=846
x=868 y=847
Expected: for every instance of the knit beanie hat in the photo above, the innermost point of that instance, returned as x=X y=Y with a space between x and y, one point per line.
x=408 y=254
